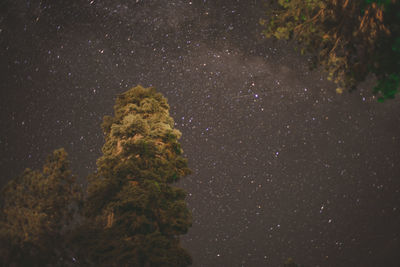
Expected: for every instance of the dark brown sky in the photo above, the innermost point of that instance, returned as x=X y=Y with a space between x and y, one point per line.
x=282 y=165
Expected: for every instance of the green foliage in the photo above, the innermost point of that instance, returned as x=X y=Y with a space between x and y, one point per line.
x=387 y=86
x=131 y=216
x=350 y=39
x=134 y=215
x=36 y=210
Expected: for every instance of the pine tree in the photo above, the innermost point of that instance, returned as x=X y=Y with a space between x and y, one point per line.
x=36 y=209
x=134 y=215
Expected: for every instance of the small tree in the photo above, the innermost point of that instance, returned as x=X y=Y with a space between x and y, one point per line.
x=36 y=210
x=134 y=215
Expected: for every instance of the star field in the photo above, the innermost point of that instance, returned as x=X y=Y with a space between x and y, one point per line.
x=282 y=165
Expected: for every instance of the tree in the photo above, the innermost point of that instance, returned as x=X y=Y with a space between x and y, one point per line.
x=36 y=210
x=134 y=214
x=350 y=39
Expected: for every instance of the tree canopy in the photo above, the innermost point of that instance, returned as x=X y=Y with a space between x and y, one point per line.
x=36 y=209
x=131 y=214
x=349 y=39
x=135 y=215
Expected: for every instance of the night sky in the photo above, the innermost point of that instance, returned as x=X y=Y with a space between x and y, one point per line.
x=282 y=165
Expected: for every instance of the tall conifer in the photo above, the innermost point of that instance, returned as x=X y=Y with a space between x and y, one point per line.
x=135 y=215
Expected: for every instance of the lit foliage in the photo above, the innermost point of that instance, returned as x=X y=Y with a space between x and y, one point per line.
x=36 y=210
x=349 y=38
x=134 y=215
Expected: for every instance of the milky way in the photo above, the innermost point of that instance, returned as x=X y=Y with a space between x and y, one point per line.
x=282 y=165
